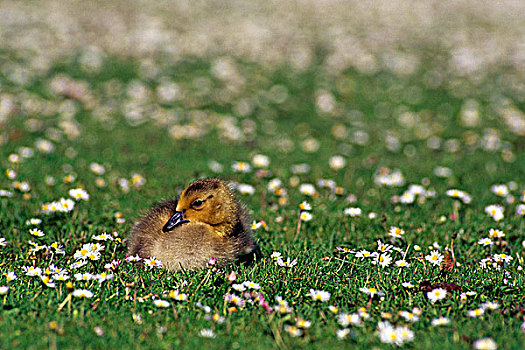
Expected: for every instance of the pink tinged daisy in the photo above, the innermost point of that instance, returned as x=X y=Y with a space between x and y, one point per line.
x=435 y=258
x=3 y=242
x=36 y=232
x=161 y=303
x=82 y=293
x=437 y=294
x=35 y=247
x=440 y=321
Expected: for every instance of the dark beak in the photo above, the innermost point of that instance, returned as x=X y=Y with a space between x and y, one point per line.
x=174 y=221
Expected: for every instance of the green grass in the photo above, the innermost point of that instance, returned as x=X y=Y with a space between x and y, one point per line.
x=36 y=316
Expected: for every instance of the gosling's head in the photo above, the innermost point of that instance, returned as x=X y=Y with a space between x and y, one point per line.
x=207 y=201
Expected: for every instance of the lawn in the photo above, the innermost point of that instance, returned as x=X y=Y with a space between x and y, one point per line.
x=389 y=207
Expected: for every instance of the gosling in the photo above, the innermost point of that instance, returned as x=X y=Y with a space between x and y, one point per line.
x=206 y=222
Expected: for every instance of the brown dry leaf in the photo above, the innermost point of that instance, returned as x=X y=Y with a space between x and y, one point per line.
x=426 y=286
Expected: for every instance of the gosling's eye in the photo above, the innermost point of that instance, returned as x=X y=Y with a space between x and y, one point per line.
x=197 y=203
